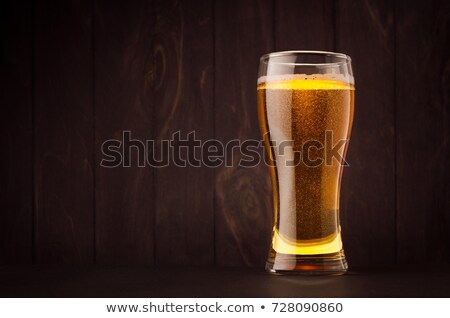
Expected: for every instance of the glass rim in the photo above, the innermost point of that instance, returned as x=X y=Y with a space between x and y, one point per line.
x=346 y=59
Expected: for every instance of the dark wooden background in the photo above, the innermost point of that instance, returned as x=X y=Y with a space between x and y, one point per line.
x=75 y=73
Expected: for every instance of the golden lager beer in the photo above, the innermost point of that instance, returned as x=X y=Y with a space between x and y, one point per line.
x=305 y=121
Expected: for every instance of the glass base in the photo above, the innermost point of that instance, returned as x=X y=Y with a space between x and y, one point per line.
x=322 y=264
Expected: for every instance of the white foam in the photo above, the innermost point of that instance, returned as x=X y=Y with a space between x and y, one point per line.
x=328 y=76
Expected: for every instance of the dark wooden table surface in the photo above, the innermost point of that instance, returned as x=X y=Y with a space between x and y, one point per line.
x=57 y=281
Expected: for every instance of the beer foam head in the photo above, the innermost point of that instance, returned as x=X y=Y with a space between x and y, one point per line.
x=327 y=77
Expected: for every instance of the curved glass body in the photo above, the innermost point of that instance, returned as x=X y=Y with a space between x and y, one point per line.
x=305 y=106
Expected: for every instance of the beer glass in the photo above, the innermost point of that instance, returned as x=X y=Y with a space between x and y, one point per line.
x=305 y=107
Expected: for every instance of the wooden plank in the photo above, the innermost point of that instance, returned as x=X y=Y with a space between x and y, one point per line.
x=183 y=52
x=304 y=25
x=365 y=31
x=16 y=130
x=243 y=33
x=63 y=132
x=123 y=65
x=423 y=121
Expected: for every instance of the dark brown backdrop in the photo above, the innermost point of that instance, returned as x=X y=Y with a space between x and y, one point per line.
x=75 y=73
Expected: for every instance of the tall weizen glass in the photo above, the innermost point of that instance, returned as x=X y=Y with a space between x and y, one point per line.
x=305 y=106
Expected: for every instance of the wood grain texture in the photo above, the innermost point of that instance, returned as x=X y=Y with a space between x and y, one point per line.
x=183 y=82
x=244 y=211
x=423 y=151
x=365 y=31
x=77 y=73
x=63 y=133
x=304 y=25
x=16 y=131
x=123 y=196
